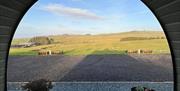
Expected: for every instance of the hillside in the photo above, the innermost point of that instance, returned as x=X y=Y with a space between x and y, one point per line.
x=103 y=43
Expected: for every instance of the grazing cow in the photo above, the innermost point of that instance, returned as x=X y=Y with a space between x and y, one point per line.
x=38 y=85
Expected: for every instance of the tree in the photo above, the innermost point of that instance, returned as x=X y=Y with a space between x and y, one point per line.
x=41 y=40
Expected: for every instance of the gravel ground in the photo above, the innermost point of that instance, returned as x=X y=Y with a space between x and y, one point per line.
x=91 y=68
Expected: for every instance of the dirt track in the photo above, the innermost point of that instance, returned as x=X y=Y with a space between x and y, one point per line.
x=91 y=68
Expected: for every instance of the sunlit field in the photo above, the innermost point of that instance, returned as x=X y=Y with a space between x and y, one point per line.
x=96 y=44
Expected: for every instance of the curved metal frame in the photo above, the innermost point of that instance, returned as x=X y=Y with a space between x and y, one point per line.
x=166 y=11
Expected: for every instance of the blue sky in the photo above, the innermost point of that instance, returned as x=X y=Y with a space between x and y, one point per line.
x=53 y=17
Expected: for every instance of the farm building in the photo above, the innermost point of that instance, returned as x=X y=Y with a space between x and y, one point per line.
x=23 y=45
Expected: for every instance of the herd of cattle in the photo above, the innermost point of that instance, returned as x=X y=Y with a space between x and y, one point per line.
x=49 y=52
x=139 y=51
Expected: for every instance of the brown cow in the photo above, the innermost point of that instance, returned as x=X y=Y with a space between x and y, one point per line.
x=132 y=51
x=43 y=53
x=55 y=52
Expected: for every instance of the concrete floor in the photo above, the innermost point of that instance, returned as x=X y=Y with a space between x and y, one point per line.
x=91 y=68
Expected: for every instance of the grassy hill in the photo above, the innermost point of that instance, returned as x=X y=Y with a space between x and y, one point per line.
x=98 y=44
x=19 y=41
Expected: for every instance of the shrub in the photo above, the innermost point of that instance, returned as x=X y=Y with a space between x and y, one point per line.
x=38 y=85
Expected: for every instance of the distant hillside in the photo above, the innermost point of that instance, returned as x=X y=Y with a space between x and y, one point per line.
x=19 y=41
x=119 y=35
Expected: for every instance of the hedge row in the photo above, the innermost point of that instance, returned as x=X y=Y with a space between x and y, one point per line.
x=140 y=38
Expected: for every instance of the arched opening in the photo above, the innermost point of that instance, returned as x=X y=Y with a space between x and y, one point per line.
x=91 y=42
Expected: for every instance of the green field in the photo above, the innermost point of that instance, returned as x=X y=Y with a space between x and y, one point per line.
x=97 y=44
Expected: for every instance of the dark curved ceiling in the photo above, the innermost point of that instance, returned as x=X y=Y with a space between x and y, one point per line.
x=166 y=11
x=168 y=14
x=11 y=12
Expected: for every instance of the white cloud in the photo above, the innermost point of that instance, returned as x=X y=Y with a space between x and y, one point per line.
x=72 y=12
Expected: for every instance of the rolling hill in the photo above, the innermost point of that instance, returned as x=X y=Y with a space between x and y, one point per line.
x=95 y=44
